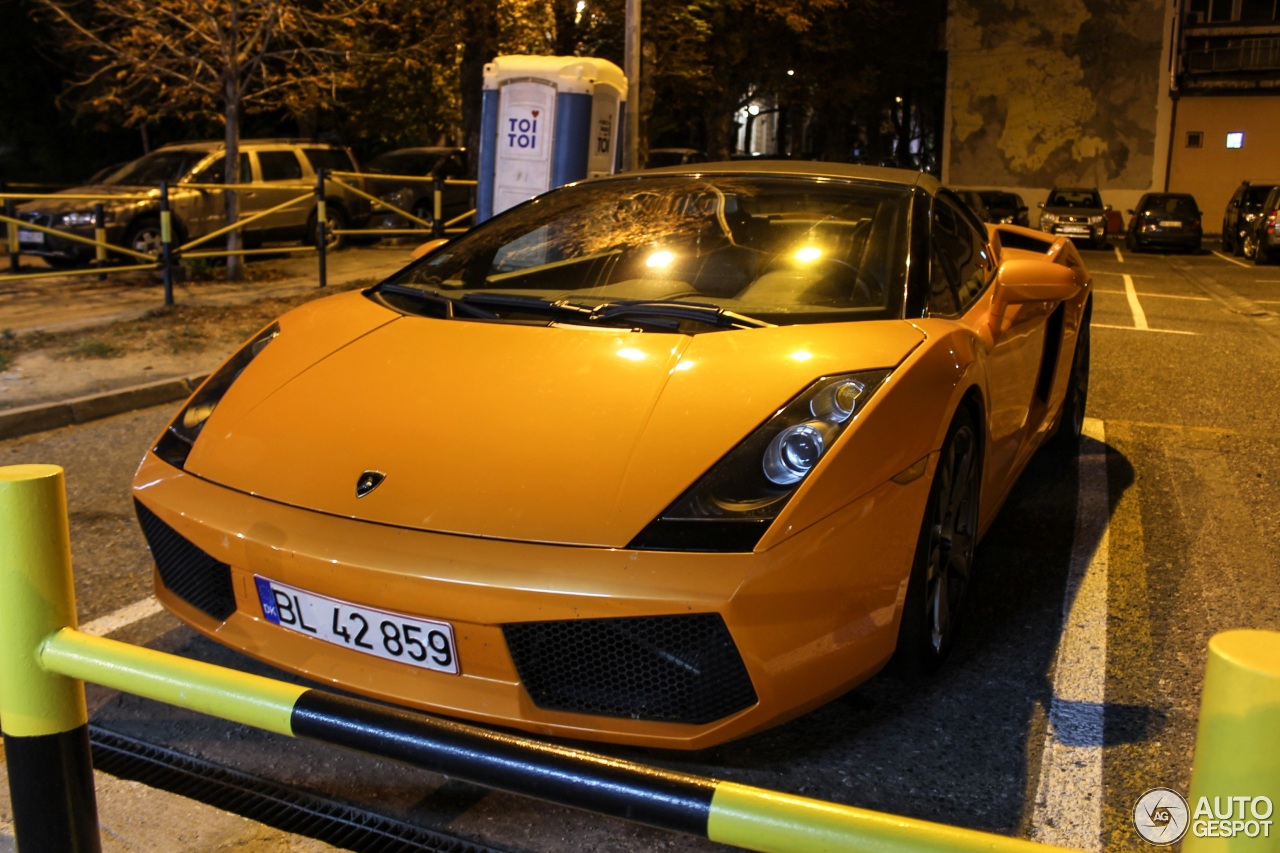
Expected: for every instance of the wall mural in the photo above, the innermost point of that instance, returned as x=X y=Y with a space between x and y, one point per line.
x=1060 y=94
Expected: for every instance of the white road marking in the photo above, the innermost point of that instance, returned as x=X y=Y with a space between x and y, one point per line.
x=1231 y=259
x=1156 y=295
x=1132 y=329
x=1131 y=292
x=1068 y=803
x=122 y=618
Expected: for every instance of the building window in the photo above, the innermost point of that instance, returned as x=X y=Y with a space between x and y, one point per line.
x=1235 y=139
x=1195 y=139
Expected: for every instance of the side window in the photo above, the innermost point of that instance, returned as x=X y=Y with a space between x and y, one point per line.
x=279 y=166
x=330 y=159
x=960 y=260
x=215 y=172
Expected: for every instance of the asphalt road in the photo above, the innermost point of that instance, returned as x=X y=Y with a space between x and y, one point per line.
x=1163 y=534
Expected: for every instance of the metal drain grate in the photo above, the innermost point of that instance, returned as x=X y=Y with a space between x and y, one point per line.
x=267 y=802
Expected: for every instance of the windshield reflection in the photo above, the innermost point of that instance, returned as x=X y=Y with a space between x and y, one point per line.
x=779 y=249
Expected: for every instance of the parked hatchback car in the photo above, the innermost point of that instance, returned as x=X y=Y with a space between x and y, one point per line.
x=1076 y=212
x=974 y=199
x=1262 y=239
x=388 y=173
x=279 y=169
x=1006 y=208
x=1165 y=221
x=1241 y=210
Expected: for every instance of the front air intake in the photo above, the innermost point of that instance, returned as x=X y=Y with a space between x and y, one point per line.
x=682 y=669
x=185 y=570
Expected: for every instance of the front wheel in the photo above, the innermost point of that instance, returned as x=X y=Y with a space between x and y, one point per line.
x=1249 y=246
x=145 y=236
x=335 y=220
x=943 y=566
x=1071 y=423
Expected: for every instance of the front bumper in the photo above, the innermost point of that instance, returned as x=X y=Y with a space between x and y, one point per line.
x=564 y=641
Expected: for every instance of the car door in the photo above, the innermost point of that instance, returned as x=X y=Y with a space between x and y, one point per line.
x=279 y=177
x=206 y=208
x=961 y=269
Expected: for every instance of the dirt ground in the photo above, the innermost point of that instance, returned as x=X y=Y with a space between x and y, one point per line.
x=165 y=342
x=68 y=337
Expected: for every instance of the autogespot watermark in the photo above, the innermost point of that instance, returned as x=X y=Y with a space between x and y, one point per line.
x=1163 y=816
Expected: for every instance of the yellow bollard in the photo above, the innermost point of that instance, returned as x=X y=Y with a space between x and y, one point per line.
x=1235 y=779
x=43 y=715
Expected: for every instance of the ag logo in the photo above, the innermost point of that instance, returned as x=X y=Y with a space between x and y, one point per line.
x=369 y=481
x=1160 y=816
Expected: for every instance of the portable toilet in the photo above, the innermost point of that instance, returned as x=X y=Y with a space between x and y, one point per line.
x=546 y=121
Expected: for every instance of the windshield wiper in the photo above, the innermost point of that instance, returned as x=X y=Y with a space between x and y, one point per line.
x=448 y=308
x=697 y=312
x=532 y=304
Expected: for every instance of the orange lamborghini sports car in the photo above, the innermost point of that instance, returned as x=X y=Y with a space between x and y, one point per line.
x=663 y=458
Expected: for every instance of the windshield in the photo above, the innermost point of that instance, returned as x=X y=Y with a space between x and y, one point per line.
x=778 y=250
x=1074 y=198
x=156 y=167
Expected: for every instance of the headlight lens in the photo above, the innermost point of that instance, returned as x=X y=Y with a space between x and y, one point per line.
x=1097 y=220
x=732 y=504
x=1048 y=219
x=80 y=218
x=176 y=443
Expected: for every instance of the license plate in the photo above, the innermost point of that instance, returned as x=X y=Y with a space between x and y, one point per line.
x=1170 y=223
x=1074 y=229
x=423 y=643
x=27 y=237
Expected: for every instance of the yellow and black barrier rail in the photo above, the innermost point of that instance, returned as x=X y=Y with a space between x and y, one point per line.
x=171 y=252
x=44 y=662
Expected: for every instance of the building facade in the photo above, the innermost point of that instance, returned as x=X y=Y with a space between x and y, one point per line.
x=1130 y=97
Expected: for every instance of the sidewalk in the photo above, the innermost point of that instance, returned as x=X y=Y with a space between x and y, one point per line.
x=37 y=393
x=135 y=818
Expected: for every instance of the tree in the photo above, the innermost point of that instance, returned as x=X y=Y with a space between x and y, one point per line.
x=193 y=58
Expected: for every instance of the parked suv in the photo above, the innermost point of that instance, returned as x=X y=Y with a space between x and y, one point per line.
x=1241 y=210
x=1262 y=238
x=279 y=169
x=1076 y=212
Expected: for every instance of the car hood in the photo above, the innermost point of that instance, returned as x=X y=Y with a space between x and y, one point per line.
x=109 y=194
x=575 y=435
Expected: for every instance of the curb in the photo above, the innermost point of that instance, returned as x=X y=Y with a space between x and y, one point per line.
x=45 y=416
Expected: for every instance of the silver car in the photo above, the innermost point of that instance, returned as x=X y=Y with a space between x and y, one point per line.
x=277 y=169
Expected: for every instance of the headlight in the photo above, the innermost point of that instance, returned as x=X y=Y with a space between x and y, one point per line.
x=732 y=504
x=176 y=443
x=81 y=218
x=1006 y=220
x=1048 y=219
x=402 y=197
x=1097 y=220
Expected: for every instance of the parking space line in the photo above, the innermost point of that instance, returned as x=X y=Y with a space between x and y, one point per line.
x=1132 y=329
x=1156 y=295
x=1231 y=259
x=1131 y=293
x=1068 y=798
x=122 y=618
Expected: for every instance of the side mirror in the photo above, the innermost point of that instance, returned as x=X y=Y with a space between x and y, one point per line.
x=1040 y=204
x=1021 y=281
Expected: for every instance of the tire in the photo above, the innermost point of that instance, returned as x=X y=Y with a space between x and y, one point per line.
x=144 y=236
x=1261 y=254
x=1249 y=246
x=336 y=221
x=942 y=569
x=1237 y=247
x=425 y=210
x=1066 y=441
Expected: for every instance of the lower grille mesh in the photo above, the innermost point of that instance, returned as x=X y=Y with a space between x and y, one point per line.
x=186 y=571
x=673 y=668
